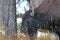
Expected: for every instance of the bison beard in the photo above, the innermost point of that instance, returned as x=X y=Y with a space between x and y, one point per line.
x=30 y=24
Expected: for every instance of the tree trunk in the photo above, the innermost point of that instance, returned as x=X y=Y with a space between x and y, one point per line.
x=1 y=13
x=10 y=18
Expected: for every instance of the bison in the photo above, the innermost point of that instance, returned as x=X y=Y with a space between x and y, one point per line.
x=46 y=16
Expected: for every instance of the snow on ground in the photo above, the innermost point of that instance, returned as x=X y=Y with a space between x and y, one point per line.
x=53 y=36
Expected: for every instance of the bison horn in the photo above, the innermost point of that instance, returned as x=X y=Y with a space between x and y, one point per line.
x=32 y=14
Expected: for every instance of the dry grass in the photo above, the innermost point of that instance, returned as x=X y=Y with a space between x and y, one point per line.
x=20 y=37
x=2 y=37
x=43 y=37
